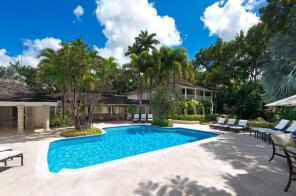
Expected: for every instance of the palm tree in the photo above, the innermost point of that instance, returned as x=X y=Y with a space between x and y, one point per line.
x=109 y=69
x=75 y=72
x=143 y=42
x=279 y=76
x=174 y=62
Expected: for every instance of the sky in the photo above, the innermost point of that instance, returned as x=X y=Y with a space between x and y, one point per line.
x=109 y=26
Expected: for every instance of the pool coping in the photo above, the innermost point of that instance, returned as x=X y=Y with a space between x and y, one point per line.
x=42 y=171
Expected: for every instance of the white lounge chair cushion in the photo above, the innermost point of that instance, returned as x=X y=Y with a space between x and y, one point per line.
x=4 y=148
x=221 y=120
x=282 y=124
x=242 y=123
x=8 y=154
x=231 y=122
x=284 y=140
x=143 y=116
x=292 y=127
x=136 y=116
x=150 y=116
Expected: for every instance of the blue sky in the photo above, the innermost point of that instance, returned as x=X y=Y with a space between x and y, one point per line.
x=35 y=19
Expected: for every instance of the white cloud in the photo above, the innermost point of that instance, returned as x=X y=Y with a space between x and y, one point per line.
x=229 y=17
x=30 y=54
x=124 y=19
x=78 y=11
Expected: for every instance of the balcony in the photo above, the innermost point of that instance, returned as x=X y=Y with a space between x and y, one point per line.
x=198 y=97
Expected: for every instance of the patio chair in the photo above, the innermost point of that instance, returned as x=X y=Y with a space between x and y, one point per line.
x=291 y=159
x=241 y=126
x=229 y=123
x=8 y=155
x=5 y=148
x=280 y=142
x=221 y=121
x=279 y=128
x=143 y=117
x=136 y=118
x=150 y=117
x=292 y=128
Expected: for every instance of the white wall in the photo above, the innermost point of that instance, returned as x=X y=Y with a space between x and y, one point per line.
x=38 y=117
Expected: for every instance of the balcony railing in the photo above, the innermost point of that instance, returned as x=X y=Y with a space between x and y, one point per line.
x=198 y=97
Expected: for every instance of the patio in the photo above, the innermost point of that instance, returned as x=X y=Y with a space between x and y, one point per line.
x=231 y=164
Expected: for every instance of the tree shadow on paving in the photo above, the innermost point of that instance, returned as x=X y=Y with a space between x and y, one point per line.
x=178 y=186
x=30 y=136
x=248 y=154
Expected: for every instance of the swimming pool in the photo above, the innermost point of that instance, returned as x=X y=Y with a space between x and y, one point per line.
x=118 y=142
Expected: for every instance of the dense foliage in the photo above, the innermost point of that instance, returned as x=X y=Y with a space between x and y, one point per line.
x=60 y=120
x=161 y=122
x=84 y=132
x=164 y=102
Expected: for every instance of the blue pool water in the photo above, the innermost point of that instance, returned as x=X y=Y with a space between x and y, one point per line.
x=118 y=142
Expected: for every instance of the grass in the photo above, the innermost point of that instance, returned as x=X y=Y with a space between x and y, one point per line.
x=76 y=133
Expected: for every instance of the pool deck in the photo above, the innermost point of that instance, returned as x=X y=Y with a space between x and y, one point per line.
x=230 y=164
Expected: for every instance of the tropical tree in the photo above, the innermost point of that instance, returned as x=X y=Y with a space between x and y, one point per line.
x=142 y=61
x=164 y=102
x=11 y=72
x=280 y=72
x=76 y=71
x=143 y=42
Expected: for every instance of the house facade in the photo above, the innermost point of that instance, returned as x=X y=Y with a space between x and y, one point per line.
x=23 y=108
x=115 y=107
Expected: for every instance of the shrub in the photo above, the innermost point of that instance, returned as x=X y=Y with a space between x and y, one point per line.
x=250 y=101
x=260 y=122
x=161 y=123
x=76 y=133
x=58 y=120
x=164 y=102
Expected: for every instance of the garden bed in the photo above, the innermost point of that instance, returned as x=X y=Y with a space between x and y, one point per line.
x=86 y=132
x=184 y=121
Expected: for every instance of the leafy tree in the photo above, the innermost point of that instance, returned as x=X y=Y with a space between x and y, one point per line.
x=276 y=14
x=164 y=102
x=250 y=101
x=11 y=72
x=143 y=42
x=77 y=72
x=280 y=73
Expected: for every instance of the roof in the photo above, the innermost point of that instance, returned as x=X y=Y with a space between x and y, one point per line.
x=191 y=85
x=12 y=90
x=120 y=100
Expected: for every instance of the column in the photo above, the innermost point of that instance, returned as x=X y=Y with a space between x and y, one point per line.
x=204 y=94
x=195 y=94
x=46 y=117
x=212 y=108
x=185 y=93
x=20 y=119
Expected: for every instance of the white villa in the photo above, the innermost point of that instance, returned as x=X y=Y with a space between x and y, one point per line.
x=115 y=106
x=22 y=108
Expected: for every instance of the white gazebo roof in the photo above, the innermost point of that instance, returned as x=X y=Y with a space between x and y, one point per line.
x=289 y=101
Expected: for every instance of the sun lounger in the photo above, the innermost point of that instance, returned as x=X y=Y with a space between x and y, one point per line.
x=279 y=128
x=230 y=123
x=136 y=118
x=150 y=117
x=5 y=148
x=292 y=128
x=242 y=124
x=143 y=117
x=8 y=155
x=220 y=122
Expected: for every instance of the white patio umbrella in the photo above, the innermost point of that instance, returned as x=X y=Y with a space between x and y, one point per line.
x=289 y=101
